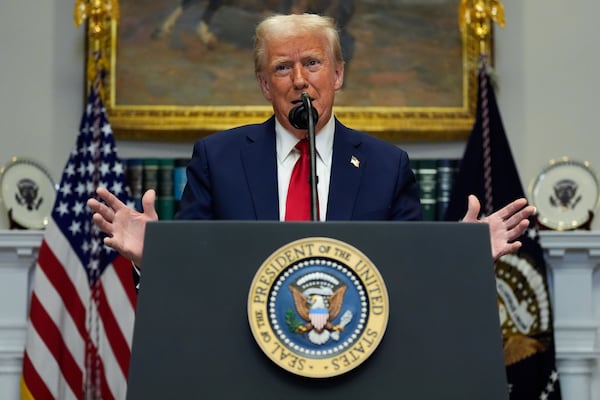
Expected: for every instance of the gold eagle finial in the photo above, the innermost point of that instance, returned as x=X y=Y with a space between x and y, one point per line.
x=95 y=11
x=99 y=15
x=479 y=16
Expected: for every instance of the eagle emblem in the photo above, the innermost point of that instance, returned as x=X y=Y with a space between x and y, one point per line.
x=319 y=307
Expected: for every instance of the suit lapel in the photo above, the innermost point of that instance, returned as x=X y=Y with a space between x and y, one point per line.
x=346 y=171
x=260 y=167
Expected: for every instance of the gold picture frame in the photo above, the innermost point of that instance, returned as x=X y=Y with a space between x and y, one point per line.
x=167 y=119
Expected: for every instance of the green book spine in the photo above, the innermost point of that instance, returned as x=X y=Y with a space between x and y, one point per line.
x=426 y=179
x=165 y=200
x=150 y=176
x=414 y=166
x=446 y=172
x=134 y=175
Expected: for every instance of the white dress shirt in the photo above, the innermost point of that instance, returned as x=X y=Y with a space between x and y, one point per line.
x=287 y=155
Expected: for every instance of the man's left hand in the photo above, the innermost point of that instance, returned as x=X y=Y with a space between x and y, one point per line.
x=506 y=225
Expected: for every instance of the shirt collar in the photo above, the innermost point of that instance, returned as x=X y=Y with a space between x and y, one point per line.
x=286 y=141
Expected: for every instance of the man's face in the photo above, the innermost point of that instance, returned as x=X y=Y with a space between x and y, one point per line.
x=295 y=65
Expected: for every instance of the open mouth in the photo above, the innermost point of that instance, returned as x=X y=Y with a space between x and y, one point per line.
x=299 y=101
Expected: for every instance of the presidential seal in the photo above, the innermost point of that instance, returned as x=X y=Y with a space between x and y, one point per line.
x=318 y=307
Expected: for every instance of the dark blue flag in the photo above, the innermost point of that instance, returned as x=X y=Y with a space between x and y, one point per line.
x=488 y=171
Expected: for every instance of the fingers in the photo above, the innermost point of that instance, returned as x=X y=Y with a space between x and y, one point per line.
x=512 y=208
x=519 y=217
x=148 y=200
x=519 y=230
x=101 y=209
x=107 y=210
x=104 y=214
x=513 y=213
x=472 y=210
x=102 y=223
x=112 y=243
x=94 y=205
x=110 y=199
x=508 y=249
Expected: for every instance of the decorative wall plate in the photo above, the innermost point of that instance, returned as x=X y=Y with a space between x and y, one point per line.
x=28 y=192
x=565 y=193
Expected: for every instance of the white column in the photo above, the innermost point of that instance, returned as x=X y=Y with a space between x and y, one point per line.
x=18 y=253
x=573 y=258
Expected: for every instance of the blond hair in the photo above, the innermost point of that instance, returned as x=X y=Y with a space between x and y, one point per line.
x=282 y=26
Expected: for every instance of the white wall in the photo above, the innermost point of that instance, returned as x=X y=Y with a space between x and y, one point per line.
x=548 y=62
x=41 y=75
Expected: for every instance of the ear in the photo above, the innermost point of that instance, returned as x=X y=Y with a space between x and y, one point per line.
x=339 y=76
x=264 y=85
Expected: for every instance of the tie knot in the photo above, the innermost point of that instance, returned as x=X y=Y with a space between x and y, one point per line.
x=302 y=146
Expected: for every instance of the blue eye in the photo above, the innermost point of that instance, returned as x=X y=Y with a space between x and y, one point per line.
x=313 y=65
x=282 y=69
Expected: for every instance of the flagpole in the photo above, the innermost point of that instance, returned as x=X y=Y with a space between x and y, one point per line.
x=477 y=17
x=100 y=15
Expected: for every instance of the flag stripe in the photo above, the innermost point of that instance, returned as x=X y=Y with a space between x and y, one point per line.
x=108 y=391
x=123 y=270
x=54 y=342
x=59 y=279
x=67 y=260
x=116 y=339
x=53 y=306
x=113 y=378
x=47 y=369
x=39 y=354
x=35 y=387
x=118 y=298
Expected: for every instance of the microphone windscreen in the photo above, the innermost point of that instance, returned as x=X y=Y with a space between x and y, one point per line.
x=298 y=116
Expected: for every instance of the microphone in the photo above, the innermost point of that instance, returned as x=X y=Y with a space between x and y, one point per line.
x=305 y=117
x=298 y=116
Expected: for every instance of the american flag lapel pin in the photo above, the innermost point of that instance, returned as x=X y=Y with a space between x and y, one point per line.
x=354 y=161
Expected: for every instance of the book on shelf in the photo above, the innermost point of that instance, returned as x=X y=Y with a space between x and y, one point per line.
x=134 y=173
x=179 y=179
x=150 y=174
x=165 y=175
x=435 y=179
x=165 y=199
x=427 y=180
x=447 y=169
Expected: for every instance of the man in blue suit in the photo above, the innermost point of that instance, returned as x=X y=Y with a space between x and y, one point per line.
x=243 y=173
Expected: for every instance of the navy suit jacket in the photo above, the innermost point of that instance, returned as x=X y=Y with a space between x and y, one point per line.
x=233 y=176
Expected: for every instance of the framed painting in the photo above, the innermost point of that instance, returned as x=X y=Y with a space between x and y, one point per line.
x=181 y=69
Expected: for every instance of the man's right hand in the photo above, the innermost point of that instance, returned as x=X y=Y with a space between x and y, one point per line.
x=124 y=226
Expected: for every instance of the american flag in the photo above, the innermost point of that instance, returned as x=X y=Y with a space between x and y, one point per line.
x=82 y=305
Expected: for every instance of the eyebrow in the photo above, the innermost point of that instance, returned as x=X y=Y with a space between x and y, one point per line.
x=305 y=55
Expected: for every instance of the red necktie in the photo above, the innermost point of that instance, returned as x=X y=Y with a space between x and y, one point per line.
x=297 y=206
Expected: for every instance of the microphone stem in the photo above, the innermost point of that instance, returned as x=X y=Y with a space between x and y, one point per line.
x=314 y=202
